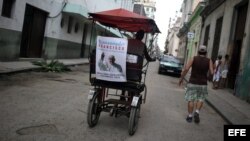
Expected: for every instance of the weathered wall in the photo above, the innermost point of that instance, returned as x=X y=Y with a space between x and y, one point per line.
x=244 y=91
x=55 y=34
x=211 y=20
x=9 y=44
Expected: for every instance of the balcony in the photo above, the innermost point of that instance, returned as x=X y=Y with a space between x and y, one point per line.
x=183 y=30
x=210 y=6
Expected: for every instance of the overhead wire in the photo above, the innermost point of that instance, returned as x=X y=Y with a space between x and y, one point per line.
x=64 y=4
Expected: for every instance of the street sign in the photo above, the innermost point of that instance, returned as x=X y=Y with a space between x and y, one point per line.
x=190 y=35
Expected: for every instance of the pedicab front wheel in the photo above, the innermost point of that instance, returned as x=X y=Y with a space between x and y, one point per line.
x=94 y=111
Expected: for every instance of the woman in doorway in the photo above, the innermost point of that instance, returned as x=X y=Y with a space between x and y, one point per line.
x=224 y=71
x=217 y=72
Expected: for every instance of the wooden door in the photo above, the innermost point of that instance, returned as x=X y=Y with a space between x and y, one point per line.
x=33 y=32
x=217 y=35
x=206 y=37
x=238 y=38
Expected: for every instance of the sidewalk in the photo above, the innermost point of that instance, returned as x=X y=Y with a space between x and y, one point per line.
x=231 y=108
x=25 y=65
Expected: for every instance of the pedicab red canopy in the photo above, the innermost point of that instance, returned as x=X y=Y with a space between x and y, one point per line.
x=125 y=20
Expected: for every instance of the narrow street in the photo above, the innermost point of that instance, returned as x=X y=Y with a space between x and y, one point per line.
x=52 y=106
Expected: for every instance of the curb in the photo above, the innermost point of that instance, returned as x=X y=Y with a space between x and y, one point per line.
x=35 y=68
x=219 y=112
x=19 y=70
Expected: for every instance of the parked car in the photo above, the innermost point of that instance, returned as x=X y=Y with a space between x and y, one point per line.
x=170 y=64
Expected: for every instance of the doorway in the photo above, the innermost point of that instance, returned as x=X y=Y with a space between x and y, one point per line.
x=217 y=35
x=206 y=37
x=33 y=32
x=238 y=38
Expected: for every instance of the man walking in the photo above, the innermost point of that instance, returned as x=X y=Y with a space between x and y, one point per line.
x=196 y=91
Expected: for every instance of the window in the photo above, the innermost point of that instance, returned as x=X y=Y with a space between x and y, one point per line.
x=76 y=27
x=62 y=22
x=70 y=23
x=7 y=8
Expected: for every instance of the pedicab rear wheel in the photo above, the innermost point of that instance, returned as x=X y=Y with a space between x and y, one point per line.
x=94 y=111
x=134 y=119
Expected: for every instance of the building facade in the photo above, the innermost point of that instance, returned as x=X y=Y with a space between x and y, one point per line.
x=149 y=10
x=186 y=9
x=225 y=30
x=194 y=30
x=51 y=28
x=172 y=39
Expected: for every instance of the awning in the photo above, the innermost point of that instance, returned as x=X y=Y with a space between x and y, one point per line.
x=125 y=20
x=76 y=10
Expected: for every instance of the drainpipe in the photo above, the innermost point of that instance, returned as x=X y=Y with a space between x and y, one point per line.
x=185 y=53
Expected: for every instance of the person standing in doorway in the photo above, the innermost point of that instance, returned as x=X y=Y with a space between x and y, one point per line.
x=196 y=91
x=224 y=71
x=217 y=72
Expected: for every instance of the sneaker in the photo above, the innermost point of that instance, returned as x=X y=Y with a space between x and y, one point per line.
x=196 y=117
x=189 y=119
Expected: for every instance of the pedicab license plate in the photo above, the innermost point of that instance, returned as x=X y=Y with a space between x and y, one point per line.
x=91 y=94
x=134 y=101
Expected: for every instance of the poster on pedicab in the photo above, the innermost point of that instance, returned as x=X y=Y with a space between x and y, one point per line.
x=111 y=59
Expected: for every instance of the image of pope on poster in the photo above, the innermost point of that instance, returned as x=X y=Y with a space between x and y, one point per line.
x=111 y=59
